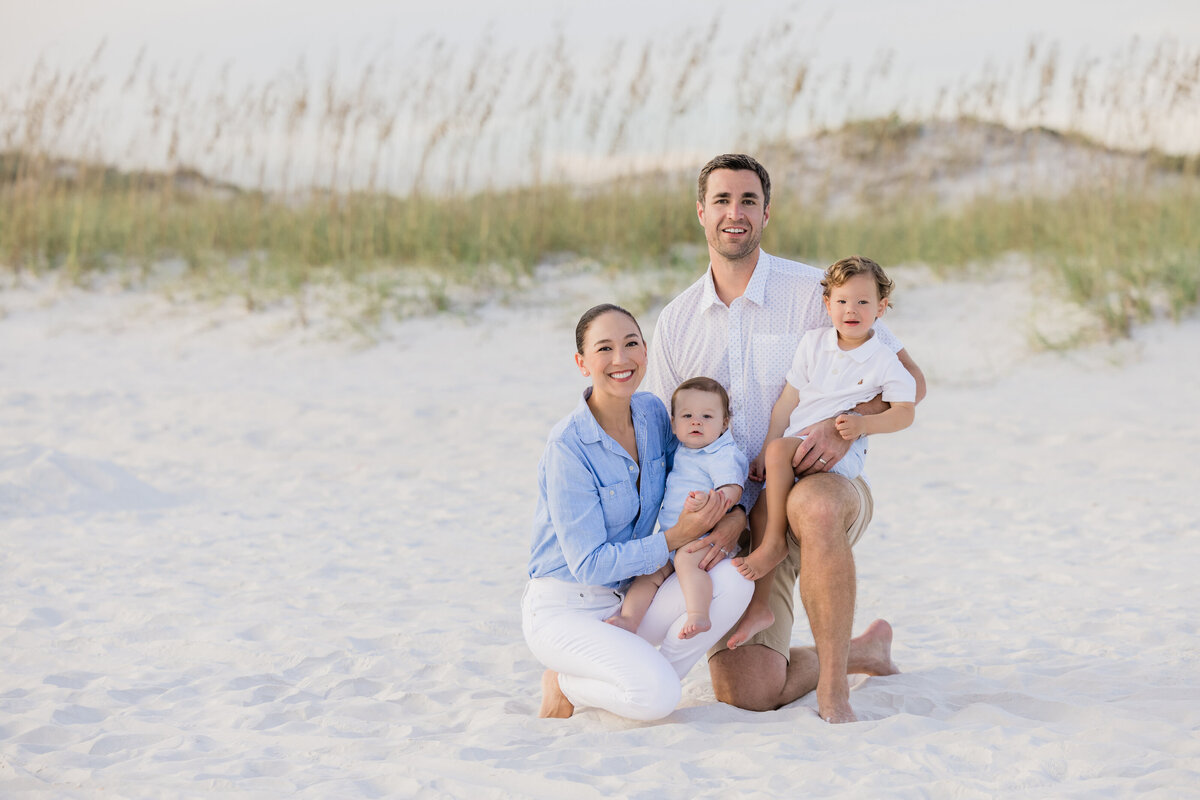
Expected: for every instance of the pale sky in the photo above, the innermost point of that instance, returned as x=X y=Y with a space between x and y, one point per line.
x=933 y=44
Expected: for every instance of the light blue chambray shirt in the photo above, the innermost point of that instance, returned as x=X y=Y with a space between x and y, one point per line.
x=594 y=524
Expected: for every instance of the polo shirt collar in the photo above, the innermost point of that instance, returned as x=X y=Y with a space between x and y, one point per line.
x=864 y=351
x=720 y=443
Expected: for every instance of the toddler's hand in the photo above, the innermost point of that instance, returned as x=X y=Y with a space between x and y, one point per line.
x=695 y=501
x=850 y=426
x=758 y=472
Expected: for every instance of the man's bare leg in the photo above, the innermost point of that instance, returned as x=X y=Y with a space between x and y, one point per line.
x=756 y=678
x=820 y=509
x=555 y=704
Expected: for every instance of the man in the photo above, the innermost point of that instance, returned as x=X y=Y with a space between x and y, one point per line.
x=740 y=324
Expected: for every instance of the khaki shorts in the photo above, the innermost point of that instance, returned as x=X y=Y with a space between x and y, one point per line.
x=782 y=602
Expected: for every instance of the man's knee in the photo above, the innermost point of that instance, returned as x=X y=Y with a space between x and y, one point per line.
x=750 y=677
x=820 y=507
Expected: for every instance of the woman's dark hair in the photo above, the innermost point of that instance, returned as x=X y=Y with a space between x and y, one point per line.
x=589 y=317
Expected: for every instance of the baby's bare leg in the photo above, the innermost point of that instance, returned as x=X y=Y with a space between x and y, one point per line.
x=781 y=476
x=697 y=591
x=638 y=599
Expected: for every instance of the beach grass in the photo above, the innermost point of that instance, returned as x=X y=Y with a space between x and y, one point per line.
x=264 y=190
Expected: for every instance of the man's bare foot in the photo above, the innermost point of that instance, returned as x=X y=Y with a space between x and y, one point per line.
x=758 y=617
x=760 y=562
x=871 y=651
x=696 y=623
x=625 y=623
x=870 y=654
x=555 y=704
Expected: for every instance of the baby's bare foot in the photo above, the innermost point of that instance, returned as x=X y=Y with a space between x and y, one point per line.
x=696 y=623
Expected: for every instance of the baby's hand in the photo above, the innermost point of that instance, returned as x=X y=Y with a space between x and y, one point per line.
x=758 y=472
x=850 y=426
x=694 y=501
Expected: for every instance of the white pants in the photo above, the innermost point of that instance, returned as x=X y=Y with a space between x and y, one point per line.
x=607 y=667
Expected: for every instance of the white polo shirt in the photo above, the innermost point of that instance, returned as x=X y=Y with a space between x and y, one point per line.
x=830 y=379
x=746 y=346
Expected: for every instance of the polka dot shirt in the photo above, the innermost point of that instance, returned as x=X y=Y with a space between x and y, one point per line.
x=746 y=346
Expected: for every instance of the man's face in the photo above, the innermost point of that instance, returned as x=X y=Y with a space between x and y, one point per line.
x=733 y=213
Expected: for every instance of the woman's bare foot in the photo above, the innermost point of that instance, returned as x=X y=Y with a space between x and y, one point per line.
x=555 y=704
x=696 y=623
x=758 y=617
x=760 y=562
x=624 y=623
x=871 y=651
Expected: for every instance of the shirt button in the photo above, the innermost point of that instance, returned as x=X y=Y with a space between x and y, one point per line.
x=611 y=492
x=631 y=468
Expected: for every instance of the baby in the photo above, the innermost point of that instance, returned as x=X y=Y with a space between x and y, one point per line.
x=706 y=460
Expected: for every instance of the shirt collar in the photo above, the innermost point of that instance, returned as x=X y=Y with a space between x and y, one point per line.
x=720 y=443
x=756 y=290
x=829 y=341
x=589 y=429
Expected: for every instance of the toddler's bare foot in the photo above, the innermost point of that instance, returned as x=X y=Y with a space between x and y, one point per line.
x=764 y=559
x=696 y=623
x=555 y=704
x=758 y=617
x=622 y=622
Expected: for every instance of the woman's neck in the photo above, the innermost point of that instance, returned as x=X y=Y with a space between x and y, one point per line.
x=614 y=414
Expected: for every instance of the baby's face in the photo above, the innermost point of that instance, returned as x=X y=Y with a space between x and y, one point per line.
x=699 y=418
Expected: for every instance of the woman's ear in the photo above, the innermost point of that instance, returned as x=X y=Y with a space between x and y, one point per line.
x=582 y=369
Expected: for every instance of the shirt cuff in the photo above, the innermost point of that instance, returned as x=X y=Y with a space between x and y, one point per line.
x=654 y=552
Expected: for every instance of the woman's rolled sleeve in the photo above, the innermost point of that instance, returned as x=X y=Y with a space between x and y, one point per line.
x=593 y=511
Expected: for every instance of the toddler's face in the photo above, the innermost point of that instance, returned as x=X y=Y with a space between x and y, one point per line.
x=699 y=418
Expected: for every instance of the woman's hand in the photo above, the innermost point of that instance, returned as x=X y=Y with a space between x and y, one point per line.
x=723 y=541
x=693 y=524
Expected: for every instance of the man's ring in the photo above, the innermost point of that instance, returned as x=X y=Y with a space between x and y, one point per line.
x=726 y=553
x=823 y=461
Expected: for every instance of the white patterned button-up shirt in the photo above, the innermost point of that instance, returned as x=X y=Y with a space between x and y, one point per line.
x=746 y=346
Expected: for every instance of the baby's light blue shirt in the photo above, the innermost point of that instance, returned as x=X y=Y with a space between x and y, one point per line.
x=719 y=463
x=594 y=524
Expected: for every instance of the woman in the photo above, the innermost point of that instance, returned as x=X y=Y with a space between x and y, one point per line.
x=601 y=482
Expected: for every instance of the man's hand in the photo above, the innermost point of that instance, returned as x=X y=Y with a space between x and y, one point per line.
x=723 y=539
x=823 y=446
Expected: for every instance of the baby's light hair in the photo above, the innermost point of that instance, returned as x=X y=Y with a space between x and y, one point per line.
x=842 y=271
x=703 y=384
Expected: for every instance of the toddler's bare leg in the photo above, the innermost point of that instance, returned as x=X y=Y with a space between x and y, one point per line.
x=781 y=476
x=638 y=598
x=758 y=615
x=697 y=591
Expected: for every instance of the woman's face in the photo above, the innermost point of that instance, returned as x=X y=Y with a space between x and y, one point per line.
x=614 y=355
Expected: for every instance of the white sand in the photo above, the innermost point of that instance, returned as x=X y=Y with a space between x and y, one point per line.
x=241 y=559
